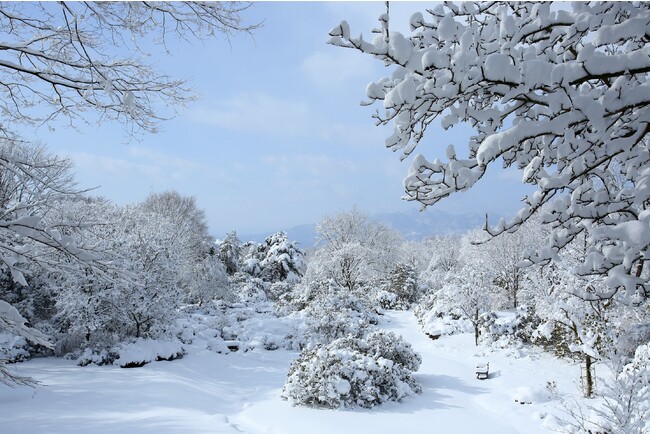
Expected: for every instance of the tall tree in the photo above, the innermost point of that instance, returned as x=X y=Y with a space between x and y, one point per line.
x=560 y=94
x=355 y=250
x=230 y=252
x=190 y=226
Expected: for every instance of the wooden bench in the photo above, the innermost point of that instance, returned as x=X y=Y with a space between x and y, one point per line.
x=482 y=371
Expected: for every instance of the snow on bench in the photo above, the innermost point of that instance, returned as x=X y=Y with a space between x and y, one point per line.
x=433 y=335
x=482 y=371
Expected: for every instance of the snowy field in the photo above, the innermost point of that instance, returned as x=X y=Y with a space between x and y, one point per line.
x=240 y=392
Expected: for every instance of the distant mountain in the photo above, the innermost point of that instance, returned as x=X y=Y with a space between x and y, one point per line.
x=412 y=225
x=419 y=225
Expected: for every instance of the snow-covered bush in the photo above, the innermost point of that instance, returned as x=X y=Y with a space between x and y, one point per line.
x=133 y=353
x=439 y=321
x=386 y=299
x=96 y=357
x=204 y=323
x=335 y=312
x=258 y=327
x=278 y=289
x=630 y=335
x=249 y=289
x=248 y=325
x=351 y=372
x=555 y=337
x=141 y=351
x=509 y=328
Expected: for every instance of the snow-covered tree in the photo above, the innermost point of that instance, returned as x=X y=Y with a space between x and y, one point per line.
x=281 y=259
x=208 y=280
x=504 y=255
x=143 y=292
x=469 y=295
x=354 y=251
x=188 y=221
x=559 y=94
x=403 y=282
x=276 y=259
x=417 y=255
x=34 y=184
x=444 y=258
x=230 y=251
x=465 y=285
x=35 y=233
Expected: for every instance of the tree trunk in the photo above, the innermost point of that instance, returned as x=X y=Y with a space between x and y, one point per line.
x=589 y=381
x=476 y=330
x=515 y=290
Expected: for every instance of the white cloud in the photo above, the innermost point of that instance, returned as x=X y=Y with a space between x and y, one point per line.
x=112 y=165
x=269 y=115
x=144 y=163
x=312 y=165
x=338 y=66
x=256 y=112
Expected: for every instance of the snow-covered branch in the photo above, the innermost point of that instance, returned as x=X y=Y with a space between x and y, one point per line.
x=561 y=95
x=62 y=59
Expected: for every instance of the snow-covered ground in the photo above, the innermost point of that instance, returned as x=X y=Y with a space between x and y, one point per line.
x=240 y=392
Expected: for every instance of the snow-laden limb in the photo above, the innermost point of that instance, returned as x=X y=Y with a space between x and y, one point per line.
x=561 y=95
x=62 y=59
x=13 y=322
x=33 y=188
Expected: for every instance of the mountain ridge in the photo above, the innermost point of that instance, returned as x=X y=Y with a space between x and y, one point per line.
x=414 y=226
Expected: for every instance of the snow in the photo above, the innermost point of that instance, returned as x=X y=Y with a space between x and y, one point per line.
x=143 y=351
x=499 y=68
x=240 y=392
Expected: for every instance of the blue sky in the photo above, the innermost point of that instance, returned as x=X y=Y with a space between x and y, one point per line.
x=278 y=137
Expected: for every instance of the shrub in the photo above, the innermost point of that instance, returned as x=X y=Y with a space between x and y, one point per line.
x=351 y=372
x=386 y=299
x=134 y=353
x=339 y=314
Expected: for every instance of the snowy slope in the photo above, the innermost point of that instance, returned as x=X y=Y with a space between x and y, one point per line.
x=453 y=400
x=239 y=392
